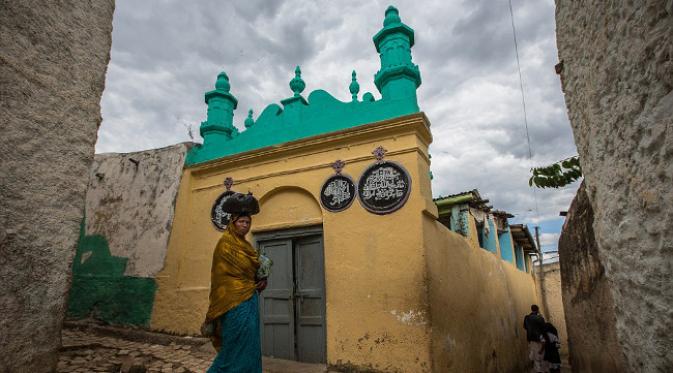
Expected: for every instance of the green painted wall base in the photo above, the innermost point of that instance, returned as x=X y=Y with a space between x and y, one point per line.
x=100 y=289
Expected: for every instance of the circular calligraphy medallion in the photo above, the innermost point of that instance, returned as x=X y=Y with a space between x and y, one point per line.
x=384 y=187
x=337 y=193
x=220 y=218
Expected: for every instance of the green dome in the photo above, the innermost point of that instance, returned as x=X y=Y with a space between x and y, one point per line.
x=392 y=16
x=222 y=82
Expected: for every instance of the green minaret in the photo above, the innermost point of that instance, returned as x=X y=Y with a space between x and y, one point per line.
x=221 y=105
x=398 y=77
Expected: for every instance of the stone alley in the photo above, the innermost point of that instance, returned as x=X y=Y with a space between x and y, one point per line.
x=106 y=349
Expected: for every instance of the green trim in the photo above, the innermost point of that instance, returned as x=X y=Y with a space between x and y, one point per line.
x=101 y=290
x=444 y=205
x=300 y=118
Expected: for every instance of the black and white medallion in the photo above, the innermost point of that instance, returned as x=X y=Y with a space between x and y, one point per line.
x=338 y=191
x=384 y=187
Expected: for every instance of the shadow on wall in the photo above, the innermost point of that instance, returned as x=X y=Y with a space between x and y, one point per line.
x=587 y=300
x=101 y=291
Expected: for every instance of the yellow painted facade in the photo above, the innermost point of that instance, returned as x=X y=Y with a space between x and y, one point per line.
x=477 y=303
x=401 y=289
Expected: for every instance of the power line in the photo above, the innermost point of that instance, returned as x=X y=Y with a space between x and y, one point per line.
x=523 y=102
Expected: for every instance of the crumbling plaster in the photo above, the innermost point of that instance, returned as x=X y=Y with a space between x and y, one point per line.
x=131 y=202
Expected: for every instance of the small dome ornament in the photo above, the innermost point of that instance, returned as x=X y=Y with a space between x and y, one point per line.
x=354 y=88
x=222 y=82
x=228 y=183
x=249 y=122
x=392 y=16
x=297 y=84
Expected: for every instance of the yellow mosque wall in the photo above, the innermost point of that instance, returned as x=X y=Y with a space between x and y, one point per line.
x=403 y=293
x=477 y=302
x=375 y=265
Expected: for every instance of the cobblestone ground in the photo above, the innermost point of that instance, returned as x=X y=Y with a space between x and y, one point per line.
x=89 y=351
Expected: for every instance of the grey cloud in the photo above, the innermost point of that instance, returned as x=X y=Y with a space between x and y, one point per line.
x=167 y=54
x=251 y=10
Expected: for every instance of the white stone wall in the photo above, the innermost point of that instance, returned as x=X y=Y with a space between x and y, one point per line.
x=53 y=58
x=617 y=78
x=131 y=202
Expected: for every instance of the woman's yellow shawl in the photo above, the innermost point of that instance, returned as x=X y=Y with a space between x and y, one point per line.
x=232 y=277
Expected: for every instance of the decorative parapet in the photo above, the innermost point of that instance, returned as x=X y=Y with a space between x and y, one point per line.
x=320 y=112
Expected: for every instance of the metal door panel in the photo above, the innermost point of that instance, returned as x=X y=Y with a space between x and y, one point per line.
x=277 y=308
x=310 y=299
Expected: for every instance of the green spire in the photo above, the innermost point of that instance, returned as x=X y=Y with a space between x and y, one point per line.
x=249 y=122
x=297 y=84
x=221 y=106
x=222 y=82
x=354 y=87
x=392 y=16
x=398 y=77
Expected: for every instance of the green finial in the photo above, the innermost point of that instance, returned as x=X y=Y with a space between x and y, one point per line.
x=392 y=16
x=222 y=82
x=354 y=87
x=297 y=84
x=249 y=122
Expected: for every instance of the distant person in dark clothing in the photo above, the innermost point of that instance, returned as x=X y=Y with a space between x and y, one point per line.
x=551 y=344
x=534 y=325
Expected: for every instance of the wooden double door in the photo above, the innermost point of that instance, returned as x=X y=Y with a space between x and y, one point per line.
x=292 y=308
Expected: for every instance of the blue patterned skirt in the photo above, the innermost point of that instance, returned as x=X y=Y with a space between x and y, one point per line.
x=241 y=349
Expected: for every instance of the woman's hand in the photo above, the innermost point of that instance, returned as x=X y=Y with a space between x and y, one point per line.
x=261 y=285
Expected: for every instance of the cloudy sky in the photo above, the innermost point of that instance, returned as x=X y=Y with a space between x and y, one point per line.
x=167 y=54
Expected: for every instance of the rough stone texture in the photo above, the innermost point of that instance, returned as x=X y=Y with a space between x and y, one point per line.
x=548 y=281
x=105 y=349
x=53 y=58
x=131 y=202
x=617 y=76
x=587 y=300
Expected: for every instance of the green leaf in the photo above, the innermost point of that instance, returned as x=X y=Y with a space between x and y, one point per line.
x=556 y=175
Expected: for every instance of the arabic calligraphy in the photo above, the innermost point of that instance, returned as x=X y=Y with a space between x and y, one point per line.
x=384 y=183
x=339 y=190
x=384 y=187
x=337 y=193
x=220 y=218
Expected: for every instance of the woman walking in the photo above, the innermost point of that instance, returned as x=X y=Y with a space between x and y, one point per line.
x=232 y=320
x=551 y=344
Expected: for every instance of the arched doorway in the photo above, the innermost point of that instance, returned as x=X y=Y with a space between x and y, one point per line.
x=292 y=308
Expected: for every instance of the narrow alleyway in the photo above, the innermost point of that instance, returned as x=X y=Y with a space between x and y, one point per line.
x=105 y=349
x=91 y=348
